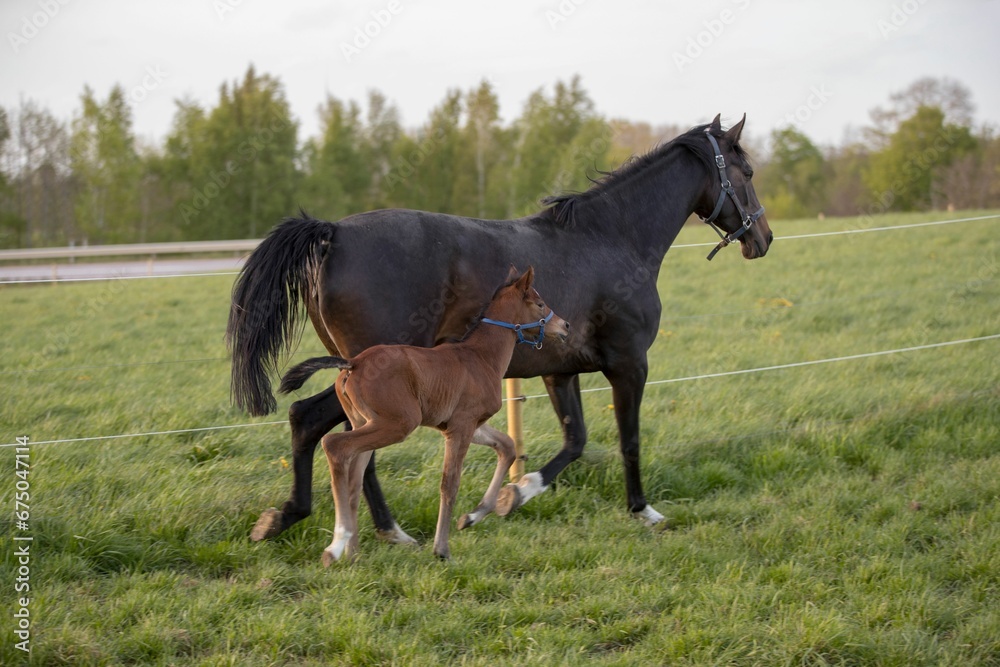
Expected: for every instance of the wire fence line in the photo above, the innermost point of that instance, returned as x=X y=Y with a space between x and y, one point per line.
x=863 y=230
x=668 y=319
x=677 y=318
x=690 y=378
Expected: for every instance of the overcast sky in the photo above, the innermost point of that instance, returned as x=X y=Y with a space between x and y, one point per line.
x=822 y=65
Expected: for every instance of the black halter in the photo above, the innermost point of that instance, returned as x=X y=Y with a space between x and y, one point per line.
x=727 y=189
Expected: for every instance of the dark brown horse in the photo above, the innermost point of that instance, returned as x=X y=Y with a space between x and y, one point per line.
x=419 y=278
x=390 y=390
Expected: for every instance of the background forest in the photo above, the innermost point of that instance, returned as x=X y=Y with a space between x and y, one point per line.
x=234 y=170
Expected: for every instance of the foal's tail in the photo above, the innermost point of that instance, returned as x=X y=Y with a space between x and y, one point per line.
x=299 y=373
x=280 y=275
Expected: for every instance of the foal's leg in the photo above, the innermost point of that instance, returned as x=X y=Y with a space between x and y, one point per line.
x=347 y=454
x=504 y=447
x=564 y=392
x=456 y=445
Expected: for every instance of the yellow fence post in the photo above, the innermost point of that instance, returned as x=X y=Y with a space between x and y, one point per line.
x=515 y=426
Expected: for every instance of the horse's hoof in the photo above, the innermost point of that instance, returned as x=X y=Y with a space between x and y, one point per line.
x=396 y=536
x=267 y=526
x=465 y=521
x=328 y=559
x=649 y=517
x=508 y=500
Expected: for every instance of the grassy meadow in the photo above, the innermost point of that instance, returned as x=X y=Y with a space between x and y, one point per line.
x=837 y=514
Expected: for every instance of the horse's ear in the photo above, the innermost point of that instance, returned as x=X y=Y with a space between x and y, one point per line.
x=733 y=133
x=512 y=275
x=716 y=125
x=528 y=277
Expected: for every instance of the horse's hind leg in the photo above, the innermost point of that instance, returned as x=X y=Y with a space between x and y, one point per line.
x=504 y=447
x=385 y=526
x=310 y=419
x=564 y=391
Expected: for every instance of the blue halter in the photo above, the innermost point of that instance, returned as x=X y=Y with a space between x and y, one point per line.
x=519 y=329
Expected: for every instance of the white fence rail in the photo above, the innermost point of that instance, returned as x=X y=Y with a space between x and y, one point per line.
x=129 y=250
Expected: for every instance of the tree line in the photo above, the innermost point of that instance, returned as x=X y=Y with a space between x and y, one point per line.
x=233 y=170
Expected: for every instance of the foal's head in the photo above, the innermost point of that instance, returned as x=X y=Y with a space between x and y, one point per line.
x=518 y=303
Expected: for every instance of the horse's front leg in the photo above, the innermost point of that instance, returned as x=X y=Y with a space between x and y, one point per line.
x=627 y=385
x=564 y=392
x=504 y=447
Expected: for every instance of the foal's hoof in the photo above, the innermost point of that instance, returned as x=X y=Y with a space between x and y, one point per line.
x=508 y=500
x=328 y=559
x=465 y=521
x=267 y=526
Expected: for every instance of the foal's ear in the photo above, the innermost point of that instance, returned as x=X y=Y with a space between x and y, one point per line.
x=733 y=133
x=528 y=277
x=716 y=125
x=512 y=275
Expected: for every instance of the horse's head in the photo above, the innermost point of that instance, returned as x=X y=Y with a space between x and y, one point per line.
x=728 y=202
x=524 y=309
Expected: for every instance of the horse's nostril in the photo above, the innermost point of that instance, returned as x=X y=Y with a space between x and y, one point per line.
x=770 y=237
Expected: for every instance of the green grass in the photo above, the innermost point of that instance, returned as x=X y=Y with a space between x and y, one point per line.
x=839 y=514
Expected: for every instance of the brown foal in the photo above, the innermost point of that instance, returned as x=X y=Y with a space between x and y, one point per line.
x=390 y=390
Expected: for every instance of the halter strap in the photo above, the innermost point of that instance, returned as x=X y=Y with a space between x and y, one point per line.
x=727 y=189
x=519 y=329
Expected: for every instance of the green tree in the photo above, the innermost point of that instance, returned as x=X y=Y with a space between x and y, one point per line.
x=792 y=184
x=337 y=178
x=432 y=161
x=483 y=150
x=902 y=176
x=107 y=168
x=545 y=133
x=381 y=152
x=12 y=225
x=240 y=160
x=952 y=97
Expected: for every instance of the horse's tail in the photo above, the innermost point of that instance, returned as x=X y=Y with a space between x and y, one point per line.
x=280 y=275
x=299 y=373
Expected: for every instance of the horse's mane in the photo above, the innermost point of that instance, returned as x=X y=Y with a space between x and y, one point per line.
x=562 y=207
